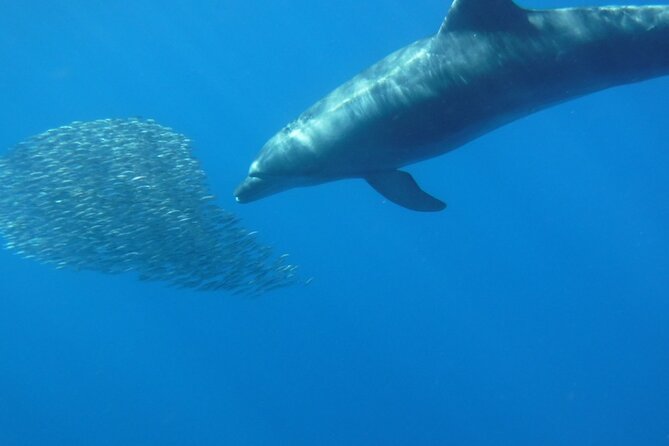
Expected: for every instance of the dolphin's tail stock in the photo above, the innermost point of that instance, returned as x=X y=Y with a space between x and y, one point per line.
x=126 y=195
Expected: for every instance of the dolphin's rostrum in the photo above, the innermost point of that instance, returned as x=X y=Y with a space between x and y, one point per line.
x=490 y=63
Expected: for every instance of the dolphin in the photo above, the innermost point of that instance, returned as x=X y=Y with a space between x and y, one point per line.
x=491 y=62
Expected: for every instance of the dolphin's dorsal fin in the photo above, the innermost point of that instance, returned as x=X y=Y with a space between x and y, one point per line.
x=484 y=15
x=400 y=188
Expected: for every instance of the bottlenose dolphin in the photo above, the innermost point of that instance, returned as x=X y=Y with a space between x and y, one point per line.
x=491 y=63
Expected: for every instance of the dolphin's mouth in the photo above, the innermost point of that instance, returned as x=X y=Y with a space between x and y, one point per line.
x=247 y=189
x=256 y=187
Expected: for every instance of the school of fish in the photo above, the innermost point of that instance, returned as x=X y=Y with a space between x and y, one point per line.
x=127 y=195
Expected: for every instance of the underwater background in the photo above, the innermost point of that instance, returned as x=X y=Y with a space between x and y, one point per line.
x=533 y=311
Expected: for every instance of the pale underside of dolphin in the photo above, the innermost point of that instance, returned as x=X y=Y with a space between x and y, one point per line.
x=491 y=63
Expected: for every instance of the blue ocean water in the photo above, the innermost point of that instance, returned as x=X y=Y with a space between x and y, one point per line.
x=533 y=311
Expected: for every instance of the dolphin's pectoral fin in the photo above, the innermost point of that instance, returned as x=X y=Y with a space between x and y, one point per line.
x=400 y=188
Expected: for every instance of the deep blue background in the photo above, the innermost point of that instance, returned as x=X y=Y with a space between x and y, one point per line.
x=533 y=311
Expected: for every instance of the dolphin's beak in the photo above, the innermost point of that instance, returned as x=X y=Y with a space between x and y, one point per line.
x=248 y=190
x=254 y=188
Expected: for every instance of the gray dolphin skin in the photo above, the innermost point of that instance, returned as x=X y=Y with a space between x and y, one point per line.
x=491 y=63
